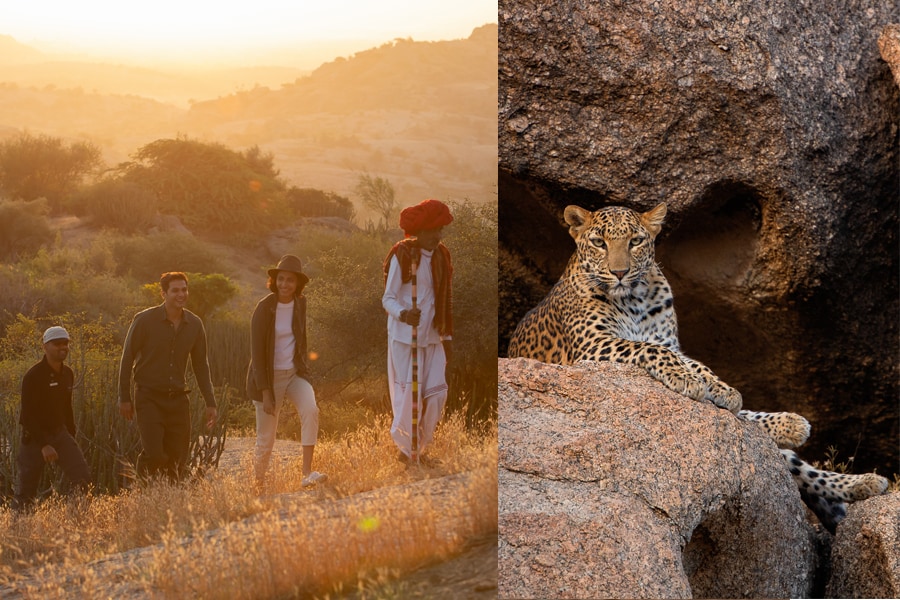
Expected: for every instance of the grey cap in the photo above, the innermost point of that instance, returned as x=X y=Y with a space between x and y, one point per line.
x=55 y=333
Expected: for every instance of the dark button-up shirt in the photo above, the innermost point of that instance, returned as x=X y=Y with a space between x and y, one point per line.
x=157 y=354
x=46 y=402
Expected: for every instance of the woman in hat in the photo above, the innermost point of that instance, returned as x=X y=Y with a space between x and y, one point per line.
x=278 y=368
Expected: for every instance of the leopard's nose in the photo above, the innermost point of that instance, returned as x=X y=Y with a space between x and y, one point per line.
x=620 y=274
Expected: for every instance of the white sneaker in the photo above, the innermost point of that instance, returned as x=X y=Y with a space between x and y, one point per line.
x=313 y=478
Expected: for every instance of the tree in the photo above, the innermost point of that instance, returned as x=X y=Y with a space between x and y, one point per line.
x=207 y=185
x=309 y=202
x=23 y=228
x=41 y=166
x=117 y=204
x=377 y=194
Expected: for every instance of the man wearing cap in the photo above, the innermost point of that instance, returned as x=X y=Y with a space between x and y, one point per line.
x=423 y=225
x=48 y=424
x=156 y=350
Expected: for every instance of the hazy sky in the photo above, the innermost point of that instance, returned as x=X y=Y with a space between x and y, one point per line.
x=201 y=29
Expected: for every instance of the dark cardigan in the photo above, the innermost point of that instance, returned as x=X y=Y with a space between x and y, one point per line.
x=261 y=373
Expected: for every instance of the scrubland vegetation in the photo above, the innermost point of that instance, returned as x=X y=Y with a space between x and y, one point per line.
x=228 y=202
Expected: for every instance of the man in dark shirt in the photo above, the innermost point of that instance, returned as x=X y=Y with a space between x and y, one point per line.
x=157 y=347
x=48 y=425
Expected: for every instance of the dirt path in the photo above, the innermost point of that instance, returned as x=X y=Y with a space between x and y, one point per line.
x=469 y=576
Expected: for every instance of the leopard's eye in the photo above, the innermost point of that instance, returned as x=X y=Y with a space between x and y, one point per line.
x=599 y=242
x=636 y=241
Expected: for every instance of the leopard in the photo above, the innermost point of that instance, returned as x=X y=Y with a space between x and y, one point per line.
x=613 y=303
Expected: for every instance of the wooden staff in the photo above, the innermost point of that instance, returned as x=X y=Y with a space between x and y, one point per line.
x=414 y=449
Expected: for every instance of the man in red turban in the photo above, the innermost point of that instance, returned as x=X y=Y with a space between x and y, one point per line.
x=426 y=215
x=433 y=319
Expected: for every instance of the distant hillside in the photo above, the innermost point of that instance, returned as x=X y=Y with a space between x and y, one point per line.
x=13 y=52
x=451 y=77
x=421 y=114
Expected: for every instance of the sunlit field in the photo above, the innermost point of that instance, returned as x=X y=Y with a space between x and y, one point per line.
x=214 y=538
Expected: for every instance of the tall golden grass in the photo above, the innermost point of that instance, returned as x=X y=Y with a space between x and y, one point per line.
x=215 y=538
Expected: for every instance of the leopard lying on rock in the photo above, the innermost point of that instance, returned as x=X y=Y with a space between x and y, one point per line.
x=613 y=303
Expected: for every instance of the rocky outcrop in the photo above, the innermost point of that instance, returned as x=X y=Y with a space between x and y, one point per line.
x=865 y=557
x=771 y=131
x=613 y=487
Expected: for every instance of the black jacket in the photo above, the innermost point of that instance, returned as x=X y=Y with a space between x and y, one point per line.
x=261 y=373
x=46 y=402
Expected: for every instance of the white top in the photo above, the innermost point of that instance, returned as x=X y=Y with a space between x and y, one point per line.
x=398 y=297
x=284 y=337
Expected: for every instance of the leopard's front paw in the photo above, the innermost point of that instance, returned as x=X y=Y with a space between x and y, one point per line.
x=724 y=396
x=687 y=384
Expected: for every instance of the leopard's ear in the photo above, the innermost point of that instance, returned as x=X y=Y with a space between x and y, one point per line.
x=578 y=219
x=653 y=219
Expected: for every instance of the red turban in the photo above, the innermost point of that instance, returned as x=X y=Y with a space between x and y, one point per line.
x=427 y=214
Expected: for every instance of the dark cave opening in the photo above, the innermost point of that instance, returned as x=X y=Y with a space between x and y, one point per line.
x=708 y=256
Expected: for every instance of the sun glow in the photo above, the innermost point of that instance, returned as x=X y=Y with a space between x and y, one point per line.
x=190 y=30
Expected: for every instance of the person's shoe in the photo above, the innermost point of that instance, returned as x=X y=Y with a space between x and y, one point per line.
x=402 y=457
x=312 y=479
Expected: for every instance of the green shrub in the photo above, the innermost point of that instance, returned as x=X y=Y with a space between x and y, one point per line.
x=23 y=228
x=41 y=166
x=145 y=258
x=207 y=185
x=307 y=202
x=472 y=240
x=117 y=204
x=62 y=279
x=21 y=340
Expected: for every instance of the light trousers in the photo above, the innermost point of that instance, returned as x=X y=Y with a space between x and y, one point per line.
x=287 y=386
x=432 y=385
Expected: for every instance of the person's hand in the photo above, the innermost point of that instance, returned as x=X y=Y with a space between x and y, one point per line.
x=49 y=453
x=411 y=316
x=126 y=409
x=211 y=415
x=268 y=402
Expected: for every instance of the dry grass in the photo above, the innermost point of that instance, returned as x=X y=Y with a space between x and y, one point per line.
x=216 y=539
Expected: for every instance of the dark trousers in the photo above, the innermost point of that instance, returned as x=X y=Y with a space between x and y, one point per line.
x=30 y=463
x=164 y=423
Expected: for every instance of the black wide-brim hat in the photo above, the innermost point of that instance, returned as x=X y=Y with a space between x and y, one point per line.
x=292 y=264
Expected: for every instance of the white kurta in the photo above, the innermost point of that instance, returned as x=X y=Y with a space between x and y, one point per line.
x=431 y=359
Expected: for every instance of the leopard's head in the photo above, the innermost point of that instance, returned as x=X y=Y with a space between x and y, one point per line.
x=614 y=247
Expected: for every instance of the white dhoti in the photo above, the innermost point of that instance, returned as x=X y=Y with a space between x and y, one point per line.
x=432 y=385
